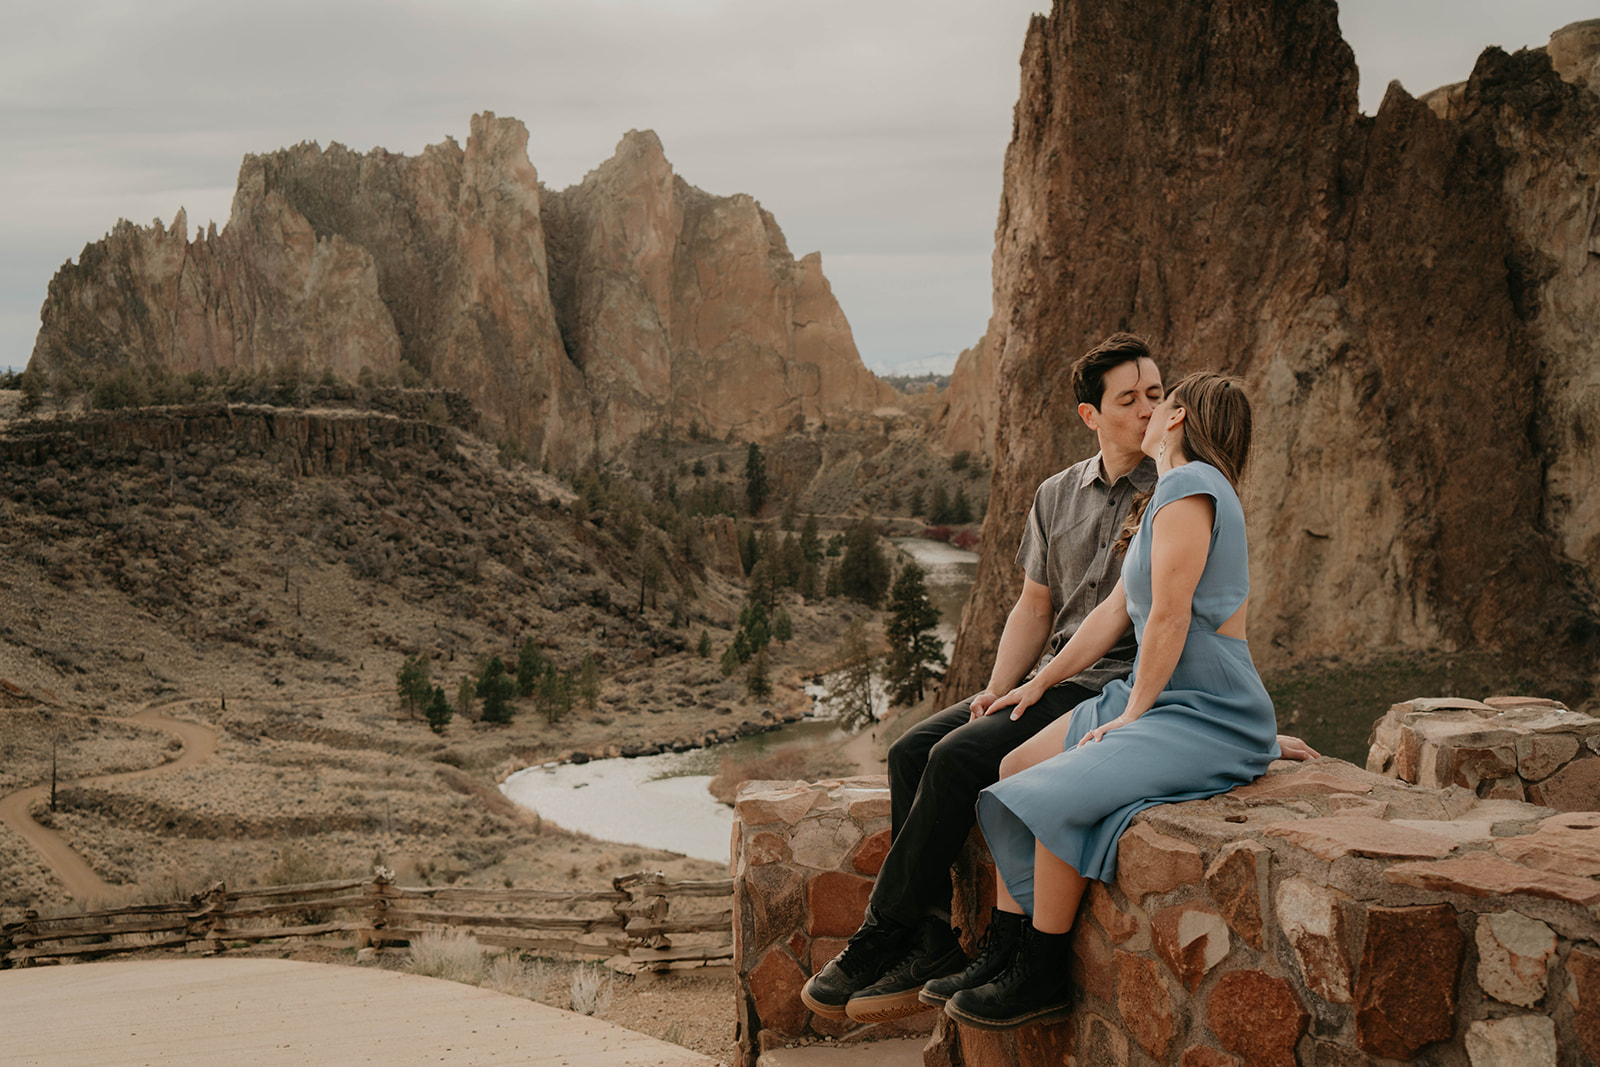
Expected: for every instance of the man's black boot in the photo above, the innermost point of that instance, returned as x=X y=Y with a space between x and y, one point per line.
x=1034 y=989
x=872 y=950
x=935 y=953
x=1000 y=942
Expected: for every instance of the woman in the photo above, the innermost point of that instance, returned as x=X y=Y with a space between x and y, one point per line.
x=1193 y=720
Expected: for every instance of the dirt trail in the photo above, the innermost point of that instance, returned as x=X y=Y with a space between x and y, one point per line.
x=199 y=742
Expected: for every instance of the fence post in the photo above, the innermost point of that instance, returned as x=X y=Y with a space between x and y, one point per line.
x=643 y=915
x=215 y=917
x=377 y=907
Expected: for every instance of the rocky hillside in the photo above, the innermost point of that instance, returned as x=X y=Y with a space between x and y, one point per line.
x=573 y=320
x=1411 y=297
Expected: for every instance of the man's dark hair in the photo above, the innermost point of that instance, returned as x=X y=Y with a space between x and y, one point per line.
x=1089 y=372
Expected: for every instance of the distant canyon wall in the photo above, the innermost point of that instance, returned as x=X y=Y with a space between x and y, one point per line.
x=575 y=320
x=1413 y=298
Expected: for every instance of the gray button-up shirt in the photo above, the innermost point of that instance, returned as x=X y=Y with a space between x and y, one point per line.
x=1067 y=544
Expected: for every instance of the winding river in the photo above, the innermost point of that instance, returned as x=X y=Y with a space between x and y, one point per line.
x=662 y=801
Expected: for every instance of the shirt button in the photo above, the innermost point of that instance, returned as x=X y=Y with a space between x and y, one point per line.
x=1102 y=544
x=1091 y=584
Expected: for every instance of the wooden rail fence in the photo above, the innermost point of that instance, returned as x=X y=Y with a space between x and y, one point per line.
x=376 y=912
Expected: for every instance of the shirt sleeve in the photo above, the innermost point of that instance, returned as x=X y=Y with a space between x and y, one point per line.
x=1033 y=554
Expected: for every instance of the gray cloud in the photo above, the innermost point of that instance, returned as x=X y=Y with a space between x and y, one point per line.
x=873 y=129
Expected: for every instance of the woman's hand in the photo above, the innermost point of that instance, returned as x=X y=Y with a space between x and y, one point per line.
x=1296 y=749
x=1018 y=700
x=1100 y=731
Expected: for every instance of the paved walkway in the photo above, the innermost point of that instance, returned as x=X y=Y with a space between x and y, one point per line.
x=280 y=1012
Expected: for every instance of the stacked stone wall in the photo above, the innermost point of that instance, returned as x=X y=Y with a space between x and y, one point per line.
x=1517 y=748
x=1321 y=915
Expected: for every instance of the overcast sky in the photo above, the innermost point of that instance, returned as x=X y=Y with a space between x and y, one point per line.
x=873 y=129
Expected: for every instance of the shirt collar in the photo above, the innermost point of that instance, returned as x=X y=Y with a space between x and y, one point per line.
x=1143 y=476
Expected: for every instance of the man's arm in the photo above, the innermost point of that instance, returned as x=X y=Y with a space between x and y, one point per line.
x=1021 y=643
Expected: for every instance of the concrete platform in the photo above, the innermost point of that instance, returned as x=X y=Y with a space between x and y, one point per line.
x=279 y=1012
x=891 y=1052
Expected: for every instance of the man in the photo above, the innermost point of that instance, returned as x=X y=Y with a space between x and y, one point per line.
x=939 y=766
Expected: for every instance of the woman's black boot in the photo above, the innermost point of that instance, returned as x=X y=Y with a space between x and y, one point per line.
x=1036 y=987
x=1000 y=942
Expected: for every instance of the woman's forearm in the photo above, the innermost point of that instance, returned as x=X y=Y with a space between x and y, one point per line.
x=1164 y=636
x=1097 y=636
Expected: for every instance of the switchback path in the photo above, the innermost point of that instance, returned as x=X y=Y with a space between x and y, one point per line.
x=80 y=880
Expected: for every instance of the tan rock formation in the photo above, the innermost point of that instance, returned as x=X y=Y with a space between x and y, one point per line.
x=971 y=405
x=1404 y=294
x=574 y=320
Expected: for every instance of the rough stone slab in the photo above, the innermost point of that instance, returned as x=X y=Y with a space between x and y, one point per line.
x=1520 y=1041
x=837 y=902
x=1257 y=1017
x=774 y=985
x=1312 y=921
x=869 y=855
x=1448 y=704
x=820 y=843
x=1118 y=925
x=1191 y=939
x=1483 y=874
x=766 y=847
x=1201 y=1056
x=1504 y=702
x=1308 y=782
x=1144 y=1003
x=1541 y=755
x=1514 y=955
x=1575 y=787
x=1583 y=993
x=1094 y=968
x=1343 y=835
x=1567 y=844
x=1461 y=831
x=1410 y=967
x=1151 y=862
x=875 y=806
x=787 y=806
x=1237 y=882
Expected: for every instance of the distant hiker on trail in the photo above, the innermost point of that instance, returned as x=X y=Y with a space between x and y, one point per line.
x=1070 y=564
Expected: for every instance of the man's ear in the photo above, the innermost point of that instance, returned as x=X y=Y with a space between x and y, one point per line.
x=1090 y=416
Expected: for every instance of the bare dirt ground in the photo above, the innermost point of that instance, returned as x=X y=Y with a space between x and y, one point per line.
x=207 y=646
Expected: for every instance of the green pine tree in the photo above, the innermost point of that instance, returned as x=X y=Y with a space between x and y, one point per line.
x=704 y=647
x=863 y=570
x=916 y=655
x=589 y=681
x=439 y=711
x=782 y=627
x=530 y=667
x=495 y=688
x=756 y=682
x=413 y=684
x=756 y=488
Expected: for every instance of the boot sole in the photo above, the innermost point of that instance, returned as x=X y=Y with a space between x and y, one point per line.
x=1059 y=1013
x=817 y=1007
x=881 y=1009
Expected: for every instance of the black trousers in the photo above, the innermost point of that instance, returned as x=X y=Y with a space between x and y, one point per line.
x=936 y=771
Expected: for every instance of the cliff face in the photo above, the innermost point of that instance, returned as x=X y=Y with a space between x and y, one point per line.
x=574 y=320
x=1408 y=296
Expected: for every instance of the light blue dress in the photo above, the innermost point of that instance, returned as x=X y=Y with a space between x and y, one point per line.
x=1211 y=729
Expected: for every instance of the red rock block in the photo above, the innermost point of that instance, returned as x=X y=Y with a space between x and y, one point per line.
x=1150 y=862
x=1144 y=1003
x=1237 y=881
x=1338 y=836
x=1332 y=1054
x=772 y=903
x=824 y=949
x=1406 y=992
x=1201 y=1056
x=766 y=847
x=1094 y=969
x=1118 y=925
x=868 y=856
x=1541 y=755
x=1408 y=756
x=1298 y=783
x=1583 y=968
x=1575 y=787
x=1503 y=702
x=1257 y=1017
x=785 y=806
x=774 y=987
x=1051 y=1043
x=1101 y=1042
x=1191 y=939
x=798 y=946
x=837 y=902
x=1474 y=765
x=944 y=1047
x=1313 y=923
x=1483 y=874
x=985 y=1048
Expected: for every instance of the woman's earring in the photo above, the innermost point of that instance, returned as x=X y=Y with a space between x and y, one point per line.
x=1161 y=450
